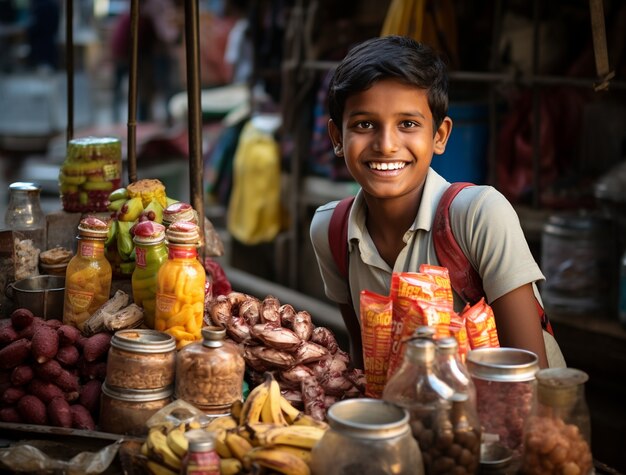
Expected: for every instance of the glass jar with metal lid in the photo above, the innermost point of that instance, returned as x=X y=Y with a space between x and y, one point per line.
x=141 y=359
x=557 y=434
x=369 y=437
x=504 y=380
x=126 y=411
x=24 y=212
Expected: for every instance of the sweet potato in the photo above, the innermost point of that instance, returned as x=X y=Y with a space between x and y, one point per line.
x=13 y=394
x=10 y=414
x=32 y=410
x=54 y=323
x=59 y=413
x=80 y=341
x=68 y=334
x=67 y=355
x=95 y=370
x=67 y=381
x=21 y=375
x=96 y=346
x=48 y=371
x=44 y=390
x=45 y=343
x=14 y=354
x=7 y=334
x=29 y=331
x=90 y=396
x=81 y=419
x=21 y=318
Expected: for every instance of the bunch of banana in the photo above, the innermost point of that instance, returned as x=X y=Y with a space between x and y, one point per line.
x=165 y=450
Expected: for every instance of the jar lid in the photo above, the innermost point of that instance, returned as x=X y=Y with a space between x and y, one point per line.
x=94 y=148
x=368 y=418
x=93 y=227
x=502 y=364
x=24 y=186
x=179 y=211
x=143 y=341
x=137 y=395
x=213 y=336
x=424 y=331
x=200 y=440
x=447 y=345
x=559 y=386
x=183 y=232
x=421 y=350
x=148 y=232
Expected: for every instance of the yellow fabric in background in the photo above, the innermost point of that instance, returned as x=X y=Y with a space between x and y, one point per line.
x=254 y=210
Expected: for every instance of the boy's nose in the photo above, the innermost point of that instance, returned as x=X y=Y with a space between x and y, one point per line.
x=386 y=142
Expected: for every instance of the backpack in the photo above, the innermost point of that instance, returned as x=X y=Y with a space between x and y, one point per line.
x=463 y=277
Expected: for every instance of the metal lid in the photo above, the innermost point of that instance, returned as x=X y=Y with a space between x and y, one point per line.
x=200 y=440
x=143 y=341
x=559 y=386
x=213 y=336
x=183 y=232
x=368 y=418
x=502 y=364
x=92 y=227
x=24 y=186
x=148 y=232
x=137 y=395
x=421 y=350
x=447 y=345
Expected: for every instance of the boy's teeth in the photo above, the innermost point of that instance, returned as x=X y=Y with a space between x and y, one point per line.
x=386 y=165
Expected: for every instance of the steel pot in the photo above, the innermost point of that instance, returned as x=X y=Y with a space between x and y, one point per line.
x=41 y=294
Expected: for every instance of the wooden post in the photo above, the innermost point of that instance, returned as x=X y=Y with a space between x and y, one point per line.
x=131 y=155
x=69 y=66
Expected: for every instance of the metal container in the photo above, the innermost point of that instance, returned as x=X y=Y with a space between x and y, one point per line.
x=504 y=380
x=41 y=294
x=369 y=437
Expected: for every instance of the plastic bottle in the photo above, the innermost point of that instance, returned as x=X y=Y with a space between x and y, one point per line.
x=89 y=274
x=151 y=253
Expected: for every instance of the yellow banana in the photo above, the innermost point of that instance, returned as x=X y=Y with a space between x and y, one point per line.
x=271 y=413
x=161 y=451
x=251 y=410
x=144 y=449
x=304 y=454
x=157 y=469
x=235 y=409
x=220 y=444
x=230 y=466
x=278 y=461
x=222 y=422
x=306 y=420
x=178 y=442
x=298 y=436
x=254 y=432
x=238 y=446
x=290 y=413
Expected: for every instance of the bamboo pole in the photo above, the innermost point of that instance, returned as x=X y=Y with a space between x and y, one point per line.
x=131 y=154
x=69 y=66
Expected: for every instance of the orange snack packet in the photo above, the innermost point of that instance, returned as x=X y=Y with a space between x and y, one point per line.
x=376 y=319
x=481 y=325
x=459 y=331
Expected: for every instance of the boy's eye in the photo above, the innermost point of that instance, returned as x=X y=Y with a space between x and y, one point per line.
x=409 y=123
x=364 y=124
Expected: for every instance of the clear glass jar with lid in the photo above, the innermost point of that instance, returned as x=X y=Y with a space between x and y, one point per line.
x=141 y=359
x=24 y=213
x=369 y=437
x=209 y=373
x=557 y=435
x=201 y=457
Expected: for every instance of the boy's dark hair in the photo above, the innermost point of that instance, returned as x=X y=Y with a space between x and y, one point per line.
x=395 y=57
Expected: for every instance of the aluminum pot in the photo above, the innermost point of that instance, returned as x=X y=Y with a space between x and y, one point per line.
x=41 y=294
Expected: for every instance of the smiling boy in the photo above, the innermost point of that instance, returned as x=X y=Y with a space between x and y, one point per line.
x=388 y=102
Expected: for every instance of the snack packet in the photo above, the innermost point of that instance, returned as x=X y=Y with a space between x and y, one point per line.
x=481 y=325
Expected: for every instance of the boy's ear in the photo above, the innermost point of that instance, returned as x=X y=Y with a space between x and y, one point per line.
x=335 y=137
x=442 y=135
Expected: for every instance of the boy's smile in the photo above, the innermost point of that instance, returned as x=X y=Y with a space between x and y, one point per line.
x=387 y=138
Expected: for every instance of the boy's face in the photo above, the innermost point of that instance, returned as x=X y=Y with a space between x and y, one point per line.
x=387 y=138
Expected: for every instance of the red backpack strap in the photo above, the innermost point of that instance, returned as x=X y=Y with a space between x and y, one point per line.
x=338 y=235
x=463 y=277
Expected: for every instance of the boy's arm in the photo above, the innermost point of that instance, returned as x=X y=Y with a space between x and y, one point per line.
x=518 y=323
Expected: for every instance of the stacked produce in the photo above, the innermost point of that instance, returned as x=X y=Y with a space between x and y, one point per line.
x=266 y=431
x=50 y=374
x=313 y=372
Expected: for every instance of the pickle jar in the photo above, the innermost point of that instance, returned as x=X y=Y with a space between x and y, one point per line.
x=557 y=434
x=179 y=211
x=126 y=411
x=368 y=437
x=210 y=373
x=180 y=286
x=504 y=380
x=24 y=213
x=88 y=276
x=141 y=359
x=151 y=253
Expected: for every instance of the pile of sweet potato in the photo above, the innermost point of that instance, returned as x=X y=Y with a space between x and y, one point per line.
x=50 y=374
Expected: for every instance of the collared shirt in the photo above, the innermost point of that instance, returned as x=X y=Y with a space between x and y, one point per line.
x=483 y=222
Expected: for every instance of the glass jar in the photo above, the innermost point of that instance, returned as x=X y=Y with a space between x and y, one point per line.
x=91 y=171
x=210 y=373
x=557 y=435
x=180 y=286
x=417 y=388
x=201 y=457
x=126 y=411
x=24 y=213
x=504 y=380
x=369 y=437
x=141 y=359
x=452 y=370
x=151 y=253
x=88 y=277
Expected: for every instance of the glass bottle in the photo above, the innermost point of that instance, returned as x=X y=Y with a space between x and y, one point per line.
x=417 y=388
x=89 y=274
x=180 y=286
x=151 y=253
x=557 y=434
x=24 y=213
x=368 y=437
x=452 y=370
x=209 y=374
x=201 y=457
